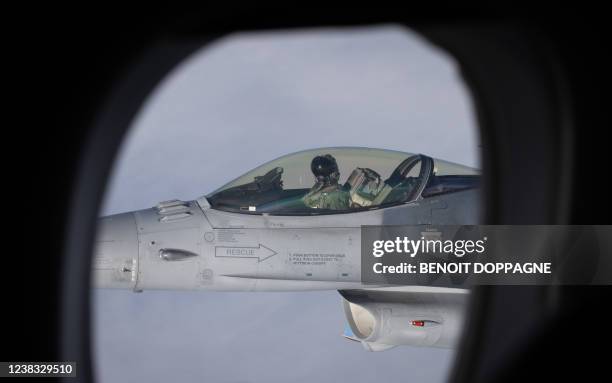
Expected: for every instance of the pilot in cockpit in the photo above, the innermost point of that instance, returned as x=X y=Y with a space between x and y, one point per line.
x=326 y=193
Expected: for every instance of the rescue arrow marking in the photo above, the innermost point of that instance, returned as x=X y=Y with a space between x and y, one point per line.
x=260 y=252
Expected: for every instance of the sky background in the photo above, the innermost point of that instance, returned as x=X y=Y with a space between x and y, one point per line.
x=242 y=101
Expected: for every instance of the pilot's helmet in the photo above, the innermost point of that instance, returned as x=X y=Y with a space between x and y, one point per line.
x=325 y=168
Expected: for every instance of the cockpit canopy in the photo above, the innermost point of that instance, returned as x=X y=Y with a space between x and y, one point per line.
x=368 y=179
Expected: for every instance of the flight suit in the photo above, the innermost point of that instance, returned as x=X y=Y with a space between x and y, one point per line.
x=327 y=197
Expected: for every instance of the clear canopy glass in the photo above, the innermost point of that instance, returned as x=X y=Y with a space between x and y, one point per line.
x=360 y=178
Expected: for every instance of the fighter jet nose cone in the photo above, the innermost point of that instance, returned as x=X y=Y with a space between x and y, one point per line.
x=115 y=254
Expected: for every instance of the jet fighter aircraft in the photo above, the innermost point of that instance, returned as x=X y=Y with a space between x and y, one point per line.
x=294 y=224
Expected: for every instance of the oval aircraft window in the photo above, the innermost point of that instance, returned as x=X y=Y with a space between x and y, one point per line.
x=236 y=201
